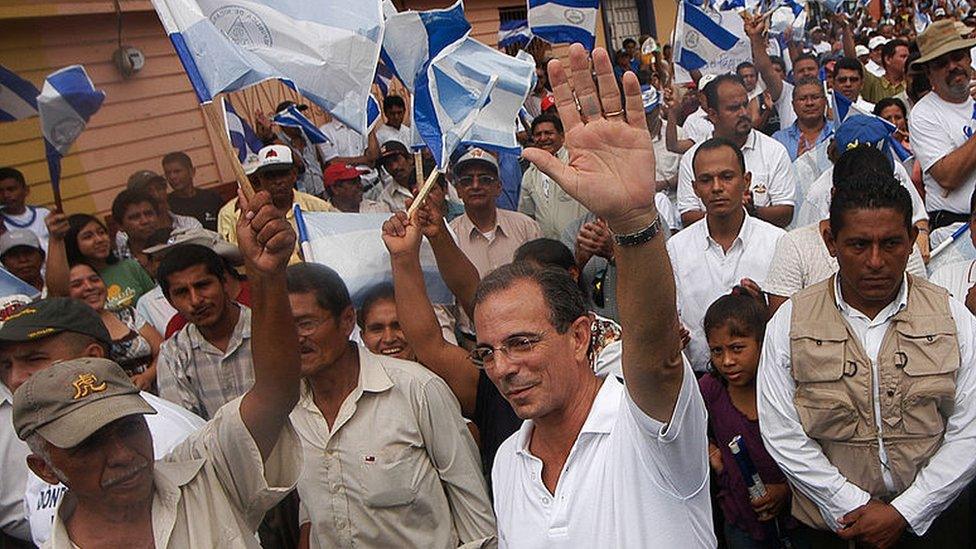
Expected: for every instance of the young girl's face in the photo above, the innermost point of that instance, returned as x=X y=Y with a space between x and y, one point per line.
x=735 y=357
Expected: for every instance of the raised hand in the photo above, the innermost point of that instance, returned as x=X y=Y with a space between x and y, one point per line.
x=400 y=235
x=264 y=236
x=57 y=225
x=611 y=158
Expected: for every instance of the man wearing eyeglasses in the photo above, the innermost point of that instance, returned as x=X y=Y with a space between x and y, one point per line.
x=597 y=463
x=389 y=461
x=942 y=124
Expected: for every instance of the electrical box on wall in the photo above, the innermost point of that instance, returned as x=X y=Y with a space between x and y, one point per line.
x=129 y=60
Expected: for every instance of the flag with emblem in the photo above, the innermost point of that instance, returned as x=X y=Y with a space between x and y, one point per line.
x=326 y=49
x=564 y=21
x=18 y=97
x=66 y=103
x=698 y=38
x=352 y=244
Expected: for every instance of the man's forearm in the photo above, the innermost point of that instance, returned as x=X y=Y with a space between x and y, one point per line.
x=459 y=273
x=774 y=85
x=647 y=302
x=781 y=216
x=277 y=365
x=953 y=170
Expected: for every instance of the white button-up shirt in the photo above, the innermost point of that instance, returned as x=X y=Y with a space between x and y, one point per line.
x=936 y=485
x=957 y=277
x=629 y=481
x=703 y=272
x=773 y=176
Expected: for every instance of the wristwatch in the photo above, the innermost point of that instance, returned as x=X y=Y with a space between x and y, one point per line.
x=639 y=237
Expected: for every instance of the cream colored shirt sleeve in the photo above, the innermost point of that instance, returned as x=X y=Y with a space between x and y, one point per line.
x=455 y=457
x=251 y=484
x=227 y=221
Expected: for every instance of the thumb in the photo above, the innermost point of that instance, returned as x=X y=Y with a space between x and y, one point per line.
x=547 y=164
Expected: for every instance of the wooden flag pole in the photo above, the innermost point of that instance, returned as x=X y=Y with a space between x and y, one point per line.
x=418 y=166
x=215 y=116
x=422 y=194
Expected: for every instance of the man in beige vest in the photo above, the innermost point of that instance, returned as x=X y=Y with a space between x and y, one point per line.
x=866 y=383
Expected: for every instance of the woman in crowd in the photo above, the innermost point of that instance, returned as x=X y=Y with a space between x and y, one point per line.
x=88 y=241
x=135 y=343
x=735 y=325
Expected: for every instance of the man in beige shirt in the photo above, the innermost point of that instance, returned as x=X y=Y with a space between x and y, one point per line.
x=541 y=199
x=83 y=421
x=276 y=172
x=389 y=461
x=487 y=235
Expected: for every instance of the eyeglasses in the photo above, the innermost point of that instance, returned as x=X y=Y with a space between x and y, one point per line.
x=846 y=79
x=597 y=294
x=943 y=61
x=515 y=347
x=307 y=326
x=468 y=180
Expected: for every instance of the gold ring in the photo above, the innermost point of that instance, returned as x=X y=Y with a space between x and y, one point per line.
x=614 y=113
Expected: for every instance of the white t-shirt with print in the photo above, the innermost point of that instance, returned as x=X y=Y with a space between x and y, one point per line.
x=937 y=128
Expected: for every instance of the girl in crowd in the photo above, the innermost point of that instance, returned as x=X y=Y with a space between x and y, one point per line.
x=88 y=241
x=734 y=326
x=135 y=343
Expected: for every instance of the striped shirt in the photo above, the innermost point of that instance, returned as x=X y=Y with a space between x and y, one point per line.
x=200 y=377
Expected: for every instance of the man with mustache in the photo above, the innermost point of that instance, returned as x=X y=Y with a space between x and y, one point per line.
x=276 y=171
x=942 y=124
x=865 y=386
x=396 y=161
x=209 y=361
x=33 y=339
x=84 y=423
x=389 y=460
x=773 y=183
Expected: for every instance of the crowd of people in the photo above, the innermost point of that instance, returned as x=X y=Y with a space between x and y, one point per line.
x=712 y=317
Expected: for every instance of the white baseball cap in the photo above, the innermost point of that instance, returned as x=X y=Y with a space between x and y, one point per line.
x=861 y=50
x=877 y=42
x=273 y=156
x=476 y=155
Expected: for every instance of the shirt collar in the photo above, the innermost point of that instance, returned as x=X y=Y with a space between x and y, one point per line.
x=897 y=305
x=745 y=231
x=6 y=395
x=372 y=376
x=752 y=141
x=472 y=231
x=600 y=420
x=242 y=331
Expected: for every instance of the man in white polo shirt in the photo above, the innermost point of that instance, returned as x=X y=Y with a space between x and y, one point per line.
x=598 y=463
x=773 y=181
x=716 y=253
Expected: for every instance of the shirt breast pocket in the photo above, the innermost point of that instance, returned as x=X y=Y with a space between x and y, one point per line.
x=390 y=482
x=760 y=189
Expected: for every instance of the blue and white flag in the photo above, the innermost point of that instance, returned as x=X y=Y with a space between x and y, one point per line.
x=471 y=94
x=11 y=286
x=327 y=49
x=413 y=38
x=843 y=108
x=242 y=137
x=352 y=245
x=293 y=118
x=66 y=103
x=372 y=113
x=564 y=21
x=514 y=31
x=698 y=38
x=18 y=97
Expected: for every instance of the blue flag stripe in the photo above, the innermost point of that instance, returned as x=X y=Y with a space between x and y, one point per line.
x=22 y=88
x=190 y=66
x=710 y=30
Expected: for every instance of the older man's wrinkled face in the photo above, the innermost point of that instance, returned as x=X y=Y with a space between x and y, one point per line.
x=113 y=466
x=950 y=74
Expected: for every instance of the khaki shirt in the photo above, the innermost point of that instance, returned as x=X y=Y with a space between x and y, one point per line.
x=545 y=201
x=877 y=88
x=229 y=213
x=398 y=468
x=213 y=489
x=512 y=229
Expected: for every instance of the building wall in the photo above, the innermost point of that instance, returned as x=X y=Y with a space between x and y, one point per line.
x=144 y=117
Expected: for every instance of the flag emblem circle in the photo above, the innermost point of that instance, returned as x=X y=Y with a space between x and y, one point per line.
x=691 y=39
x=242 y=26
x=574 y=16
x=64 y=133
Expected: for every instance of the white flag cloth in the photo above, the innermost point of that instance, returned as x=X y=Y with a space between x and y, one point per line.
x=413 y=38
x=352 y=245
x=327 y=49
x=18 y=97
x=564 y=21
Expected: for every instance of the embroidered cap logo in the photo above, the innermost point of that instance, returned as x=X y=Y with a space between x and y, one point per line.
x=86 y=384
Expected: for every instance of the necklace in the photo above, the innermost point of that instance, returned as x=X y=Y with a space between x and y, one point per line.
x=30 y=221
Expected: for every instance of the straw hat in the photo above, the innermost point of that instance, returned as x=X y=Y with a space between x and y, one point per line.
x=940 y=38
